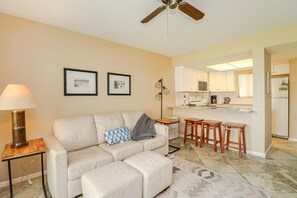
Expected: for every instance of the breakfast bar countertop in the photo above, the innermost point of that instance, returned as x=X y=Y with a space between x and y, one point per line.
x=219 y=108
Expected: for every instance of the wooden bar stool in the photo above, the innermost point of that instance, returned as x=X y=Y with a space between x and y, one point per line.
x=211 y=124
x=193 y=123
x=240 y=128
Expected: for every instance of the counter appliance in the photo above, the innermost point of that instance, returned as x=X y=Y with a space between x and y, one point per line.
x=197 y=101
x=213 y=99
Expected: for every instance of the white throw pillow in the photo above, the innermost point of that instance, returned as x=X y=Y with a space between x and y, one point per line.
x=131 y=118
x=76 y=132
x=105 y=122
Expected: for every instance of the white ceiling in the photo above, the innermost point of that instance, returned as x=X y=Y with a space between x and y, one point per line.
x=119 y=20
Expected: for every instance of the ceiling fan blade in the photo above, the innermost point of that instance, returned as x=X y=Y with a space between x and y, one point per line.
x=190 y=11
x=153 y=14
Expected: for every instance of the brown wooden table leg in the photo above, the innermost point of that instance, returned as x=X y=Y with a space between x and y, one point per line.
x=214 y=138
x=239 y=143
x=202 y=135
x=243 y=138
x=185 y=132
x=221 y=133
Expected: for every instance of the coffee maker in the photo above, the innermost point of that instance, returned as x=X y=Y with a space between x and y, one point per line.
x=213 y=99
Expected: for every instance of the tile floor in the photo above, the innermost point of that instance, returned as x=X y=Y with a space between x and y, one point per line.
x=277 y=173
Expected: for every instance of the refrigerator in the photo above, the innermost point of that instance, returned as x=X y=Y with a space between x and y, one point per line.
x=280 y=106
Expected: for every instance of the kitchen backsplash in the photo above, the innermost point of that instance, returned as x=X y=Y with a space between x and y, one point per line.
x=184 y=97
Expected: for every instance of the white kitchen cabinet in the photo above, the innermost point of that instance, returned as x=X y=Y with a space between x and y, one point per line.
x=280 y=69
x=221 y=81
x=186 y=79
x=230 y=81
x=217 y=81
x=202 y=75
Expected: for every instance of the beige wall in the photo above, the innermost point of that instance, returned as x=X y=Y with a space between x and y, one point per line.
x=262 y=98
x=293 y=99
x=35 y=54
x=242 y=46
x=268 y=102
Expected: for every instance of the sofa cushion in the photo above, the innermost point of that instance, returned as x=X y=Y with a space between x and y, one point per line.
x=123 y=150
x=76 y=132
x=84 y=160
x=114 y=136
x=131 y=119
x=106 y=122
x=152 y=144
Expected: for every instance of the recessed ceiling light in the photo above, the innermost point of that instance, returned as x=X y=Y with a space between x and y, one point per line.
x=245 y=63
x=222 y=67
x=242 y=63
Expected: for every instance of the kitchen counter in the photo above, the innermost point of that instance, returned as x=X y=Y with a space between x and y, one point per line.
x=220 y=108
x=245 y=114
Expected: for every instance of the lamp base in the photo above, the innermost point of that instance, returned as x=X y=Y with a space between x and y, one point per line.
x=18 y=145
x=18 y=129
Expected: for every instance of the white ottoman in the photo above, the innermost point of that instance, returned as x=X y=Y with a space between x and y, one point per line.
x=113 y=180
x=156 y=170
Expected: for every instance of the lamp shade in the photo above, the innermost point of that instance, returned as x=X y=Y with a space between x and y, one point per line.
x=16 y=96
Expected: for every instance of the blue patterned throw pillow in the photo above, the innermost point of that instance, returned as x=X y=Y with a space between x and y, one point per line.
x=114 y=136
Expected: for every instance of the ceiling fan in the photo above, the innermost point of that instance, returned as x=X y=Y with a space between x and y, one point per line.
x=185 y=7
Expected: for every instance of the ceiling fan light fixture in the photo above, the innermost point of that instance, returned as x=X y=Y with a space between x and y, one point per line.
x=173 y=4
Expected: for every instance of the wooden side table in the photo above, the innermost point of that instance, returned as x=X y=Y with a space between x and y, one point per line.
x=35 y=147
x=168 y=121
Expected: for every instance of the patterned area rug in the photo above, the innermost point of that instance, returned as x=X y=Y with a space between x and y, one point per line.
x=191 y=180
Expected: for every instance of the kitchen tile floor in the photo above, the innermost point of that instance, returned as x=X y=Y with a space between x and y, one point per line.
x=277 y=173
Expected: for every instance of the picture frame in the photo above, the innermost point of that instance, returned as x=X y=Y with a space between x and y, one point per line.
x=79 y=82
x=118 y=84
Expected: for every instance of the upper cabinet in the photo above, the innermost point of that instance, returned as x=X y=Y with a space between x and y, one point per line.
x=186 y=79
x=230 y=81
x=217 y=81
x=221 y=81
x=202 y=75
x=280 y=69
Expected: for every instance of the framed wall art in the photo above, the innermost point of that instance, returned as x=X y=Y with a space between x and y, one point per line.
x=118 y=84
x=80 y=82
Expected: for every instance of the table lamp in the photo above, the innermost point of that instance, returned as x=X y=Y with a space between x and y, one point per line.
x=17 y=98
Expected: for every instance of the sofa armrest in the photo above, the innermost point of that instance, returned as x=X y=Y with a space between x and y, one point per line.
x=56 y=168
x=162 y=129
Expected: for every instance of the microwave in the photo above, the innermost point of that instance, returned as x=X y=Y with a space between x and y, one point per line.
x=202 y=85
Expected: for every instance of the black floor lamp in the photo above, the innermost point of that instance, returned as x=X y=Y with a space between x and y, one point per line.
x=163 y=91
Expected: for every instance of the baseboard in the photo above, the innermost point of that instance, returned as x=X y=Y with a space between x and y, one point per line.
x=292 y=140
x=258 y=154
x=19 y=179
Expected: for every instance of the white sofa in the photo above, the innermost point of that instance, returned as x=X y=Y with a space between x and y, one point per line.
x=78 y=146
